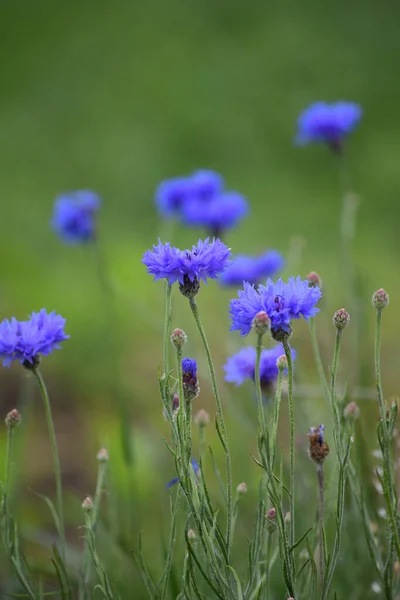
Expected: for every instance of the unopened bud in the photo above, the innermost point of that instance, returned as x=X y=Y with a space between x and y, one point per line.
x=351 y=411
x=191 y=534
x=314 y=280
x=380 y=299
x=271 y=514
x=178 y=338
x=202 y=418
x=287 y=517
x=87 y=505
x=102 y=455
x=281 y=363
x=261 y=323
x=281 y=335
x=13 y=419
x=242 y=489
x=341 y=318
x=175 y=402
x=271 y=520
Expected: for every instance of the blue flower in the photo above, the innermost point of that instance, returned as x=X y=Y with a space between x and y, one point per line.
x=74 y=216
x=205 y=260
x=189 y=375
x=26 y=340
x=172 y=194
x=221 y=213
x=252 y=268
x=196 y=469
x=242 y=365
x=329 y=123
x=281 y=301
x=206 y=185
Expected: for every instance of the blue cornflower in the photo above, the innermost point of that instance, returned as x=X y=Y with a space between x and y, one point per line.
x=189 y=375
x=26 y=340
x=172 y=194
x=281 y=301
x=242 y=365
x=205 y=260
x=196 y=469
x=252 y=268
x=206 y=185
x=223 y=212
x=329 y=123
x=74 y=216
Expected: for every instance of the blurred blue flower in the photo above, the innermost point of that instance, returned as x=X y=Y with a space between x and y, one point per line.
x=74 y=216
x=252 y=268
x=205 y=260
x=172 y=194
x=329 y=123
x=26 y=340
x=281 y=301
x=206 y=185
x=223 y=212
x=196 y=469
x=242 y=365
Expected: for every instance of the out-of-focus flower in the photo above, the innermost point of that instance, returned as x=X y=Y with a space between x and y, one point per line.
x=27 y=340
x=74 y=216
x=329 y=123
x=242 y=365
x=222 y=213
x=252 y=268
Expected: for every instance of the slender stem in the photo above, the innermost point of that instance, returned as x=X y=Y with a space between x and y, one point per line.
x=56 y=460
x=261 y=414
x=335 y=410
x=277 y=404
x=167 y=326
x=318 y=361
x=288 y=354
x=378 y=337
x=10 y=432
x=268 y=562
x=320 y=475
x=221 y=420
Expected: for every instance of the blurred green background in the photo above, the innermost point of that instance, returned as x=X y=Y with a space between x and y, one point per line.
x=114 y=97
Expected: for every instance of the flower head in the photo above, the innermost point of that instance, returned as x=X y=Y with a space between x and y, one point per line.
x=252 y=268
x=196 y=469
x=205 y=260
x=318 y=448
x=206 y=184
x=13 y=419
x=329 y=123
x=26 y=340
x=189 y=374
x=222 y=212
x=281 y=301
x=172 y=194
x=74 y=216
x=242 y=365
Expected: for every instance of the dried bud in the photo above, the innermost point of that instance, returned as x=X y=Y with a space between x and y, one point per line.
x=191 y=535
x=178 y=338
x=380 y=299
x=13 y=419
x=314 y=280
x=341 y=318
x=281 y=363
x=87 y=505
x=202 y=418
x=242 y=489
x=261 y=323
x=351 y=411
x=175 y=402
x=102 y=455
x=318 y=448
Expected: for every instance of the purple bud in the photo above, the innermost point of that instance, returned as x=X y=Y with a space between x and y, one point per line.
x=178 y=338
x=282 y=363
x=341 y=319
x=102 y=455
x=242 y=489
x=87 y=505
x=202 y=418
x=314 y=280
x=13 y=419
x=351 y=411
x=380 y=299
x=261 y=323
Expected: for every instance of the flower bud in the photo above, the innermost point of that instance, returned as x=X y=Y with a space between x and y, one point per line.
x=191 y=387
x=380 y=299
x=261 y=323
x=271 y=514
x=191 y=535
x=287 y=518
x=87 y=505
x=242 y=489
x=271 y=520
x=102 y=455
x=318 y=448
x=341 y=319
x=178 y=338
x=314 y=280
x=202 y=418
x=13 y=419
x=175 y=402
x=189 y=288
x=351 y=411
x=281 y=363
x=281 y=335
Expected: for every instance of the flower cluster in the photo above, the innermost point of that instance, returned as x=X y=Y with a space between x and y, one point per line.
x=205 y=260
x=281 y=301
x=74 y=216
x=329 y=123
x=200 y=200
x=241 y=366
x=252 y=269
x=26 y=340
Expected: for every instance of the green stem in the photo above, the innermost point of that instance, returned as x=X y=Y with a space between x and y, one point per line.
x=318 y=361
x=56 y=460
x=10 y=432
x=321 y=517
x=277 y=404
x=221 y=420
x=334 y=406
x=288 y=354
x=167 y=326
x=261 y=414
x=378 y=337
x=268 y=562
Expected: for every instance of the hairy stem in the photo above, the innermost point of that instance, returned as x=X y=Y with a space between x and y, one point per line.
x=288 y=353
x=167 y=326
x=318 y=361
x=277 y=404
x=321 y=517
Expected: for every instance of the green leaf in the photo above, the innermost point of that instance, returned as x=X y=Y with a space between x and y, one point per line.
x=301 y=539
